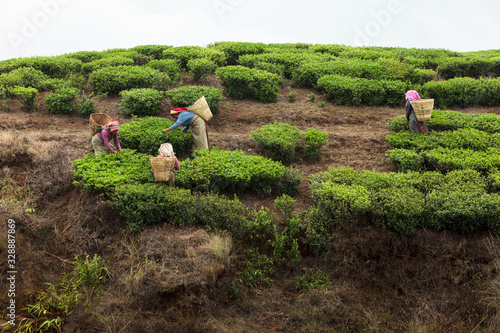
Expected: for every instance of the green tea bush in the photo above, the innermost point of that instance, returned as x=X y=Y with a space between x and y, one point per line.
x=141 y=102
x=201 y=67
x=308 y=74
x=85 y=56
x=234 y=50
x=345 y=201
x=55 y=67
x=291 y=181
x=215 y=171
x=405 y=159
x=112 y=80
x=259 y=227
x=277 y=141
x=292 y=96
x=153 y=51
x=169 y=66
x=462 y=212
x=471 y=66
x=271 y=68
x=183 y=54
x=86 y=106
x=89 y=67
x=103 y=173
x=462 y=92
x=456 y=201
x=24 y=77
x=446 y=159
x=286 y=60
x=241 y=82
x=355 y=91
x=145 y=135
x=186 y=95
x=216 y=212
x=27 y=95
x=421 y=76
x=467 y=138
x=147 y=204
x=62 y=100
x=402 y=208
x=314 y=141
x=317 y=232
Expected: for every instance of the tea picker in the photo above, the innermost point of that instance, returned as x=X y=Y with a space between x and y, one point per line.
x=418 y=111
x=104 y=131
x=193 y=118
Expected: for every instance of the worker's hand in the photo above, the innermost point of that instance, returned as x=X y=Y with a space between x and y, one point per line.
x=115 y=152
x=166 y=130
x=120 y=151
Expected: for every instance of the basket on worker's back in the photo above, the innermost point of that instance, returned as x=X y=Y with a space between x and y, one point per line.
x=162 y=168
x=97 y=122
x=201 y=108
x=423 y=109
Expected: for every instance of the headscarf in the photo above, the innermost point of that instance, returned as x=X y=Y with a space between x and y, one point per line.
x=113 y=125
x=166 y=150
x=413 y=95
x=177 y=111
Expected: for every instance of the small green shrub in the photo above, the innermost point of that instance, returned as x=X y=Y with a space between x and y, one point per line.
x=103 y=173
x=311 y=97
x=311 y=280
x=241 y=82
x=278 y=141
x=405 y=159
x=24 y=77
x=93 y=273
x=146 y=204
x=355 y=91
x=187 y=95
x=201 y=67
x=26 y=95
x=292 y=96
x=169 y=66
x=114 y=61
x=62 y=100
x=141 y=102
x=86 y=106
x=315 y=140
x=112 y=80
x=291 y=181
x=214 y=171
x=145 y=135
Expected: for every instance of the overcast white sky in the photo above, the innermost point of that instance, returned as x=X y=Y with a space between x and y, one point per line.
x=54 y=27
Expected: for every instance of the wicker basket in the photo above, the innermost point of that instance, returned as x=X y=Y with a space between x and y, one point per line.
x=201 y=108
x=97 y=122
x=423 y=109
x=162 y=168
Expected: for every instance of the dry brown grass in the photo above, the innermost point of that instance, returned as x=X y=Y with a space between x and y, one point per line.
x=163 y=260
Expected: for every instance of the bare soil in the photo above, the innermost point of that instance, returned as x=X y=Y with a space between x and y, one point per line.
x=431 y=282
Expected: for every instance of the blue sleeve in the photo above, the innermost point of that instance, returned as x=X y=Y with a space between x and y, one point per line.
x=183 y=120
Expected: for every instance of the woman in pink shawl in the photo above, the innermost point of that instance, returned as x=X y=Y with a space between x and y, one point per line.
x=415 y=125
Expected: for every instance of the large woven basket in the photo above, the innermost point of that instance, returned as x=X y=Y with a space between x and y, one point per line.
x=423 y=109
x=97 y=122
x=162 y=168
x=201 y=108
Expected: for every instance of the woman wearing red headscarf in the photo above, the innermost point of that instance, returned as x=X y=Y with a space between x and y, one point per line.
x=192 y=122
x=101 y=142
x=415 y=125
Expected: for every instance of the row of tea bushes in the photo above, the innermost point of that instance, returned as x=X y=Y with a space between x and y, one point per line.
x=346 y=90
x=463 y=92
x=447 y=120
x=403 y=202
